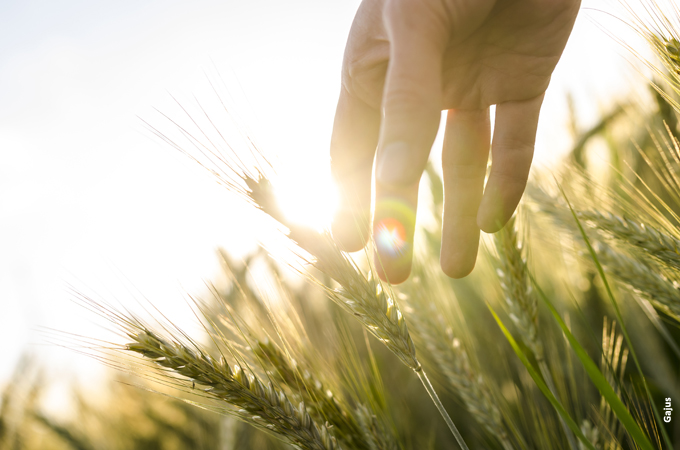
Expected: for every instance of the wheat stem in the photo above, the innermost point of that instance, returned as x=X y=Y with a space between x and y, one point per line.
x=433 y=395
x=452 y=359
x=363 y=297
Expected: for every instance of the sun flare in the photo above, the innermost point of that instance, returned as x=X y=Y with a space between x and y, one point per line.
x=309 y=200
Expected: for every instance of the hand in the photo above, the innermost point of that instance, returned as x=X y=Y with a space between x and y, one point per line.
x=405 y=62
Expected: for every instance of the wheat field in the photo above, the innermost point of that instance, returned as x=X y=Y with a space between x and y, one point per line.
x=565 y=336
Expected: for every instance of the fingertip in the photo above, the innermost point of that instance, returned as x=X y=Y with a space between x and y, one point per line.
x=390 y=273
x=455 y=267
x=490 y=223
x=460 y=245
x=393 y=229
x=497 y=207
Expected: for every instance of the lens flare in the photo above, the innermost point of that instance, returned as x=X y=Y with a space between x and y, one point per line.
x=390 y=237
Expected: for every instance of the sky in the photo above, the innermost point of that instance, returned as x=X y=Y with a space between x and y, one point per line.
x=89 y=198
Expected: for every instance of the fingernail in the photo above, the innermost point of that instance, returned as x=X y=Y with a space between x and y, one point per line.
x=395 y=166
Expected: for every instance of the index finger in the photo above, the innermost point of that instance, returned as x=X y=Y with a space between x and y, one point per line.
x=412 y=104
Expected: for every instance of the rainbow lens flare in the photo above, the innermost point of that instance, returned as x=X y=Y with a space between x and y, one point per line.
x=390 y=237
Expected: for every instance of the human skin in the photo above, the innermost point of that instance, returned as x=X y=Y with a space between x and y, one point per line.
x=405 y=62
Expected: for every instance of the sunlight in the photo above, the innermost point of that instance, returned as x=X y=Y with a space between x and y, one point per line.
x=309 y=200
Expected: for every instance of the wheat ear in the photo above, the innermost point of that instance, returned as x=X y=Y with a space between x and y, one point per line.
x=641 y=278
x=613 y=362
x=373 y=431
x=263 y=406
x=363 y=297
x=661 y=246
x=360 y=296
x=320 y=401
x=644 y=237
x=514 y=277
x=638 y=274
x=453 y=361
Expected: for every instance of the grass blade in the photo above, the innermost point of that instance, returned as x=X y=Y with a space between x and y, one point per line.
x=598 y=379
x=541 y=384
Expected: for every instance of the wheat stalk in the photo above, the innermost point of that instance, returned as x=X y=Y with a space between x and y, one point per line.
x=263 y=406
x=661 y=33
x=361 y=296
x=453 y=361
x=645 y=237
x=472 y=388
x=591 y=433
x=613 y=362
x=282 y=367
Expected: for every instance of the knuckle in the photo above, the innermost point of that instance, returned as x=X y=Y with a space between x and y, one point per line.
x=396 y=10
x=519 y=151
x=511 y=182
x=401 y=97
x=408 y=99
x=363 y=77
